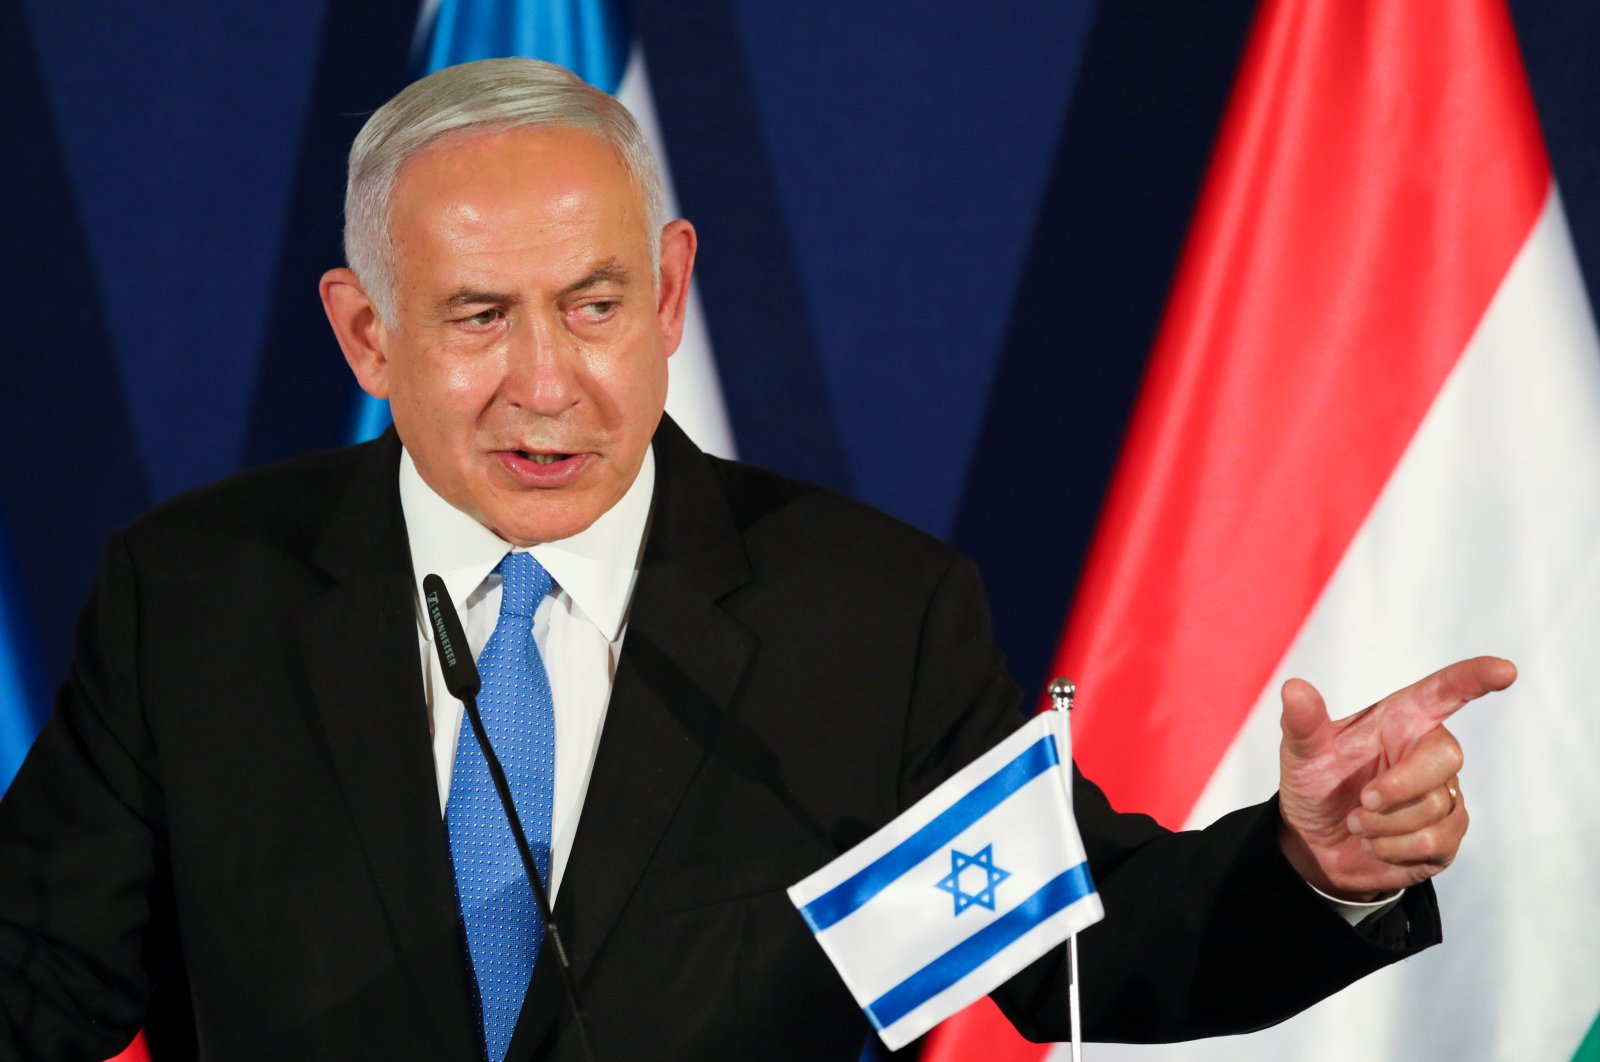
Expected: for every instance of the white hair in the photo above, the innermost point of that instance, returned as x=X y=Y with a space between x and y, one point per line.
x=490 y=95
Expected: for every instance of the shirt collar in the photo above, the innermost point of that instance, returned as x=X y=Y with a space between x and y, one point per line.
x=596 y=567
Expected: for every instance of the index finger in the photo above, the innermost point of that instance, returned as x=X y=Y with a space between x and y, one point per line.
x=1442 y=693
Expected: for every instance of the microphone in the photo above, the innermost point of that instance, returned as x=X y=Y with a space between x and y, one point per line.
x=461 y=679
x=460 y=673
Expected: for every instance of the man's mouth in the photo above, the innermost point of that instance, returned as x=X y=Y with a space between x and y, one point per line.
x=542 y=468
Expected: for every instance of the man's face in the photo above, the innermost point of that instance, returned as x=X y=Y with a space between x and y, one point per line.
x=526 y=367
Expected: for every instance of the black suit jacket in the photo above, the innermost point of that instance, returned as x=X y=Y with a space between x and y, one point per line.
x=237 y=782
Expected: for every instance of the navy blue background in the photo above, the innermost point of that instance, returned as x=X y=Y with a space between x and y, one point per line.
x=936 y=240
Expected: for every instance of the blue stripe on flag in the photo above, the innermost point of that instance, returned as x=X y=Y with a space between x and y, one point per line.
x=856 y=890
x=589 y=37
x=1061 y=892
x=22 y=702
x=371 y=420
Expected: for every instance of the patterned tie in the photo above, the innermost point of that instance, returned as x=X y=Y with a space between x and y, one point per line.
x=497 y=906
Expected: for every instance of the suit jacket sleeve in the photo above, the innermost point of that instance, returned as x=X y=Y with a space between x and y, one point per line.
x=1206 y=932
x=84 y=903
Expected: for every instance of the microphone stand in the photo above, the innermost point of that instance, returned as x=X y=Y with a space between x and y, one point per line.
x=463 y=682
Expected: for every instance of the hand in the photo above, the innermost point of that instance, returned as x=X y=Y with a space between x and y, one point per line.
x=1371 y=803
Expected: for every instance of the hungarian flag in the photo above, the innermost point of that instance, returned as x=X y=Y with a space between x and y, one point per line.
x=1368 y=444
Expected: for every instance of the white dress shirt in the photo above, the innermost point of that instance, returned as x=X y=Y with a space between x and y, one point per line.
x=578 y=627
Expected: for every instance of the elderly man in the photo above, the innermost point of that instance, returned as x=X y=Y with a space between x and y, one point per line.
x=704 y=681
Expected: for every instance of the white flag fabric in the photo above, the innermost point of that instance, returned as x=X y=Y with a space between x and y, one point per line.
x=963 y=890
x=694 y=390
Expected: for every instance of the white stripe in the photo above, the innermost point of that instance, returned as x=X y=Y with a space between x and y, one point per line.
x=924 y=811
x=694 y=395
x=422 y=36
x=912 y=922
x=1486 y=540
x=981 y=981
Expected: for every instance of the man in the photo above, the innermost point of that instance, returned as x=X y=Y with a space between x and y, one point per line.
x=255 y=775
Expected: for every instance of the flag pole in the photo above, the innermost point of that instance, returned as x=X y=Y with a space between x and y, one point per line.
x=1062 y=692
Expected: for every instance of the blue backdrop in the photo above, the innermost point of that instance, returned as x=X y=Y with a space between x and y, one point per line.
x=936 y=238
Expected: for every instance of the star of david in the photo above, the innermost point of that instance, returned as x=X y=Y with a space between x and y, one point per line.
x=973 y=865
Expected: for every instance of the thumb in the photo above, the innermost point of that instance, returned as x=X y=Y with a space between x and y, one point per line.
x=1306 y=730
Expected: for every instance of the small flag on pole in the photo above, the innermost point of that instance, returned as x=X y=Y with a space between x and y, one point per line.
x=968 y=886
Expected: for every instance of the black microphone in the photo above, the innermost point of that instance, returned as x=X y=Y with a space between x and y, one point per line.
x=461 y=679
x=460 y=673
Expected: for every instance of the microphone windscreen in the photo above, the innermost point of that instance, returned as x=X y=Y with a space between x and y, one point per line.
x=449 y=641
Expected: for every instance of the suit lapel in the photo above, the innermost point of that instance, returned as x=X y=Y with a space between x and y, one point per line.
x=682 y=663
x=360 y=647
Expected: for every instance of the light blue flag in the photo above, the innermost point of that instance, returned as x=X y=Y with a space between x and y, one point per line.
x=22 y=706
x=964 y=889
x=589 y=37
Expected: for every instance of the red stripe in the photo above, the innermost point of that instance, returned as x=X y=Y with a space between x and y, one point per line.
x=979 y=1034
x=134 y=1052
x=1379 y=167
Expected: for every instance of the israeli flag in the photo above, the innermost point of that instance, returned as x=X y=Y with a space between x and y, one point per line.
x=963 y=890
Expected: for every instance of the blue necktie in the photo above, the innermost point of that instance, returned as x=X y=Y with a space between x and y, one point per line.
x=502 y=920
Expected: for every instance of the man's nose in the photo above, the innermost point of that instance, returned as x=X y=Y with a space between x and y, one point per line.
x=543 y=367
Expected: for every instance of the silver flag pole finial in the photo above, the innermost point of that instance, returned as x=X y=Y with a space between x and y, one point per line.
x=1061 y=693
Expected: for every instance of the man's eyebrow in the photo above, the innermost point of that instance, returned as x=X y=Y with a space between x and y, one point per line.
x=479 y=297
x=610 y=271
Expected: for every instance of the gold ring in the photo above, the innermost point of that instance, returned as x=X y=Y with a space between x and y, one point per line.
x=1454 y=790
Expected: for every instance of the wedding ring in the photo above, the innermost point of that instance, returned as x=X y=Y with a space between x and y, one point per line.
x=1454 y=789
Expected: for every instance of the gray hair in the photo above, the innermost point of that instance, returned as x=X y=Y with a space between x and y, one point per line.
x=487 y=96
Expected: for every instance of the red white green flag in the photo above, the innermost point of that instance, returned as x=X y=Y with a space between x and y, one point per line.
x=1368 y=444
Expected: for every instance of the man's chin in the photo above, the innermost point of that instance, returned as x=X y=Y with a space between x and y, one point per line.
x=555 y=521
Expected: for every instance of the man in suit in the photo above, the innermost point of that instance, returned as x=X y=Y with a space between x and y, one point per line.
x=250 y=774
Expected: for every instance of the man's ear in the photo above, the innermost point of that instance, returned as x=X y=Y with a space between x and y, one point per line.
x=359 y=329
x=678 y=243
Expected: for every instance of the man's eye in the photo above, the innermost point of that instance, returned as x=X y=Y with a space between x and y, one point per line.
x=483 y=318
x=598 y=310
